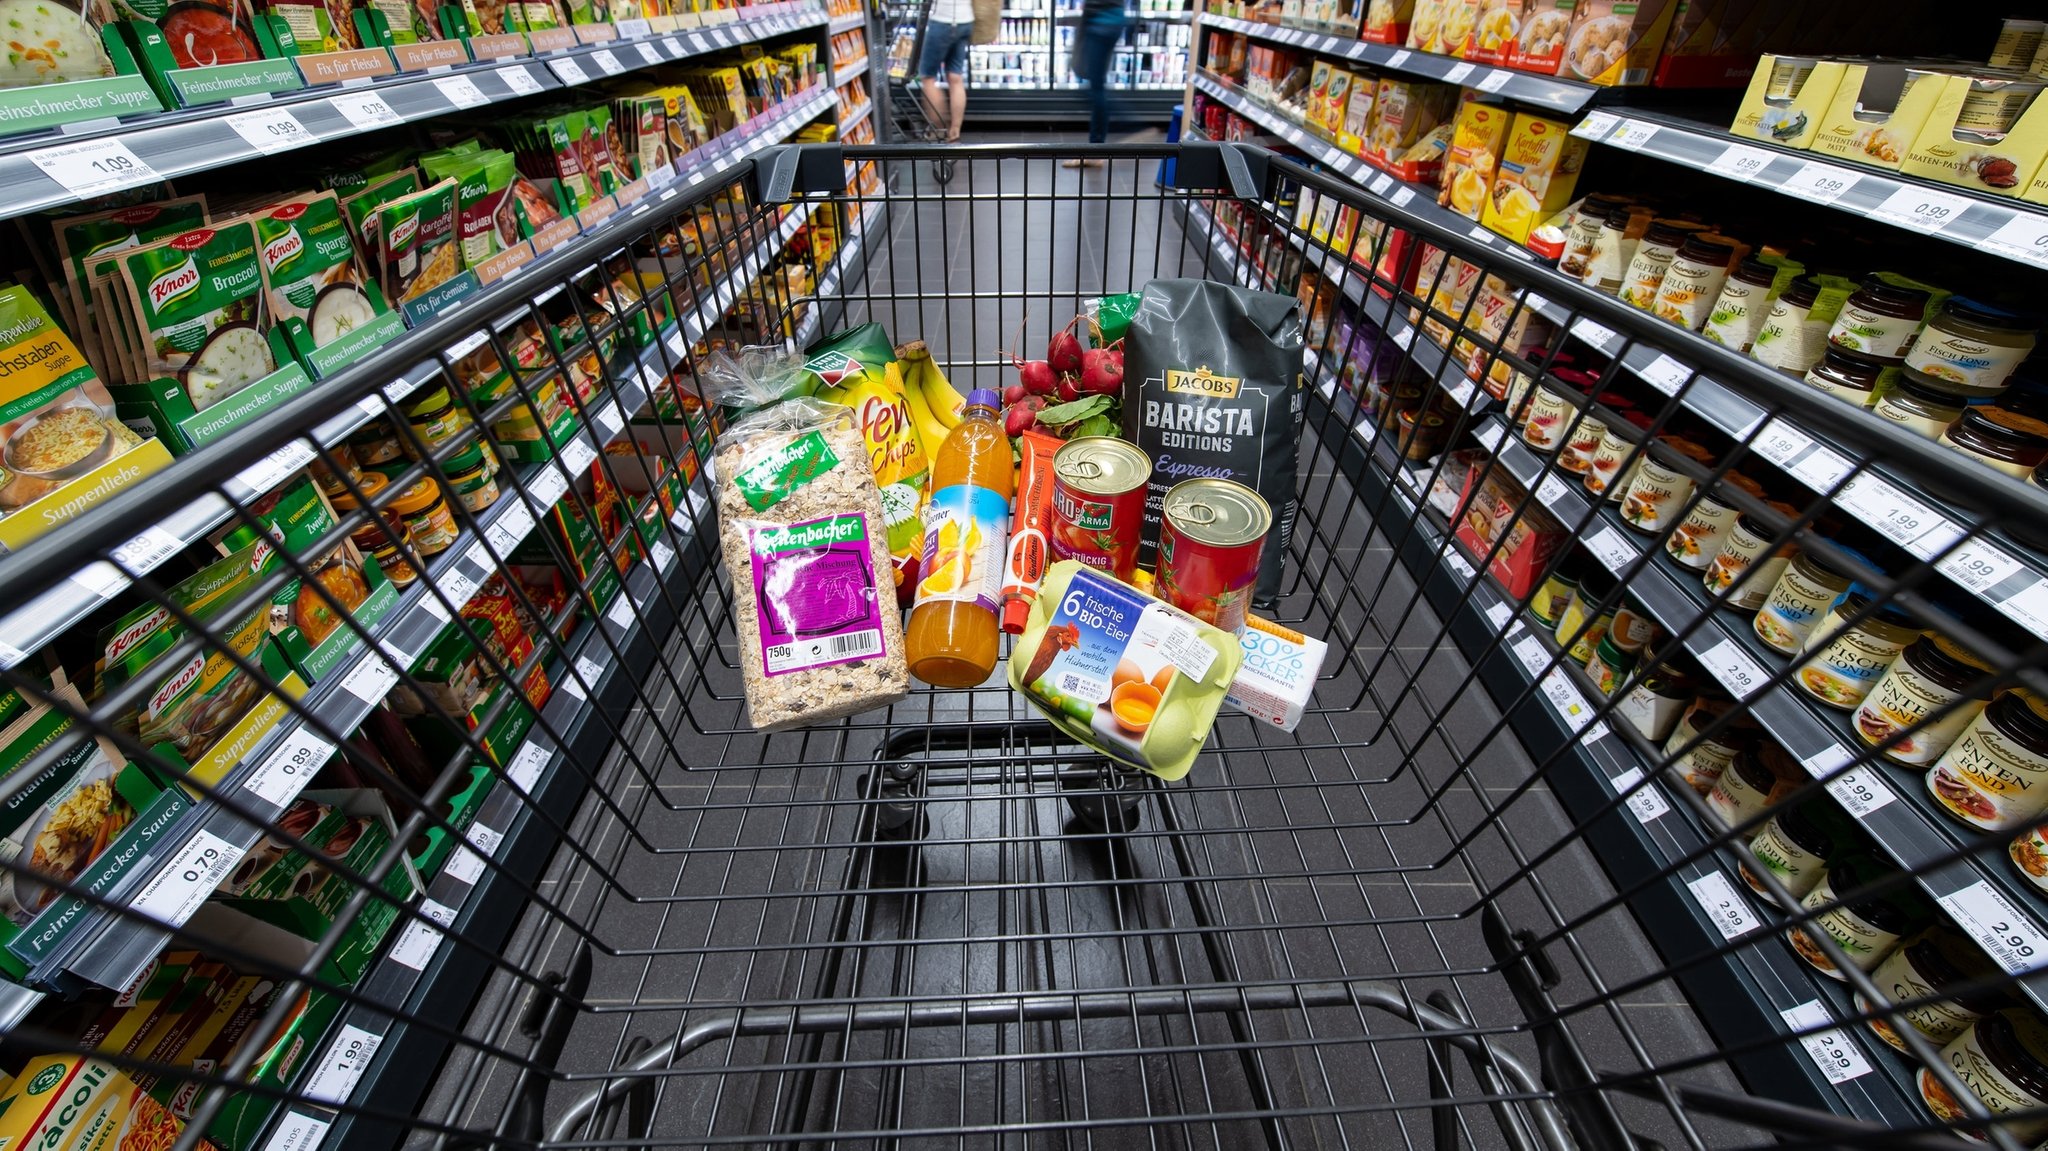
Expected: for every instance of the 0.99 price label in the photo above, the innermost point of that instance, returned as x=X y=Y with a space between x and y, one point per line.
x=1740 y=162
x=1921 y=209
x=1819 y=183
x=272 y=129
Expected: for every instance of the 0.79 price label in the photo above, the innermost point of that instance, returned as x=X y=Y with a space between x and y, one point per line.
x=187 y=878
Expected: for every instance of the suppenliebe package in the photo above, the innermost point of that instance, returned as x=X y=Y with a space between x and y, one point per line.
x=801 y=528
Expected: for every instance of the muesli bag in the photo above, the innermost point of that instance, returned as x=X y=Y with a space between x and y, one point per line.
x=1212 y=387
x=800 y=525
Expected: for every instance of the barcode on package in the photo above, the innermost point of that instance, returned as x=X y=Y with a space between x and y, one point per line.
x=784 y=657
x=1083 y=686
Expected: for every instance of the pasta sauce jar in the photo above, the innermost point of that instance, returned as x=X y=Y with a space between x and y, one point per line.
x=1933 y=673
x=1995 y=775
x=1864 y=924
x=1844 y=660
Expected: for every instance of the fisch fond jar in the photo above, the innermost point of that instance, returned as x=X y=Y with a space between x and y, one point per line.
x=1808 y=588
x=2003 y=1060
x=1995 y=775
x=1739 y=311
x=1841 y=661
x=1919 y=402
x=1931 y=966
x=1985 y=434
x=1929 y=675
x=1865 y=925
x=1747 y=545
x=1880 y=319
x=1972 y=344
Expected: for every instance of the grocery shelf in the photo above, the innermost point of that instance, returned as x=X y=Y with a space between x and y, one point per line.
x=50 y=169
x=1997 y=226
x=847 y=124
x=26 y=627
x=856 y=249
x=847 y=23
x=371 y=1054
x=844 y=73
x=1549 y=92
x=1890 y=803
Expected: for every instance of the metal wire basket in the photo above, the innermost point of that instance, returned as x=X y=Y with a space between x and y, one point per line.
x=1466 y=900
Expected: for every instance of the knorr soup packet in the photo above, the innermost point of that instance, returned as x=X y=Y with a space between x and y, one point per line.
x=416 y=237
x=853 y=368
x=80 y=239
x=197 y=299
x=361 y=207
x=310 y=270
x=56 y=419
x=194 y=703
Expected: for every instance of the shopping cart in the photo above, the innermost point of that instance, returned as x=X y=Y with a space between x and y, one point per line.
x=1439 y=911
x=912 y=118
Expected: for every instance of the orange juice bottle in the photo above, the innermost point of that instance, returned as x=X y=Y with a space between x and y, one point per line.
x=954 y=634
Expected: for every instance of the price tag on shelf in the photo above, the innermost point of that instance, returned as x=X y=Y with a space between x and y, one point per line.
x=697 y=43
x=416 y=944
x=1819 y=183
x=1922 y=209
x=284 y=772
x=365 y=110
x=1553 y=492
x=2012 y=939
x=1403 y=337
x=647 y=53
x=568 y=71
x=611 y=418
x=265 y=473
x=664 y=555
x=1500 y=614
x=1489 y=435
x=1735 y=668
x=1730 y=913
x=548 y=486
x=334 y=1077
x=1494 y=80
x=271 y=129
x=138 y=555
x=519 y=80
x=672 y=46
x=1461 y=391
x=480 y=555
x=1458 y=562
x=1614 y=552
x=1457 y=73
x=1596 y=125
x=526 y=766
x=1665 y=374
x=187 y=878
x=456 y=584
x=578 y=454
x=509 y=528
x=90 y=167
x=372 y=678
x=432 y=606
x=1832 y=1051
x=591 y=670
x=621 y=611
x=1355 y=49
x=1740 y=162
x=1380 y=184
x=2029 y=605
x=611 y=64
x=1883 y=506
x=297 y=1131
x=1643 y=799
x=1571 y=706
x=1860 y=792
x=2024 y=237
x=1632 y=135
x=1398 y=59
x=1530 y=652
x=1822 y=469
x=461 y=91
x=466 y=863
x=1401 y=195
x=1978 y=564
x=1598 y=335
x=1780 y=441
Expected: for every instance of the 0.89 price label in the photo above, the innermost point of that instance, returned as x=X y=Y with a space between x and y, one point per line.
x=284 y=772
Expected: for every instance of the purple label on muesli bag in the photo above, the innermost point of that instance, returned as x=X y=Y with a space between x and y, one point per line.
x=814 y=588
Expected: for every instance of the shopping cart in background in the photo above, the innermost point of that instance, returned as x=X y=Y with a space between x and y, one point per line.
x=1465 y=902
x=912 y=118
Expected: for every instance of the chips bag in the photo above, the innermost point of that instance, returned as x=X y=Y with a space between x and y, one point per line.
x=852 y=369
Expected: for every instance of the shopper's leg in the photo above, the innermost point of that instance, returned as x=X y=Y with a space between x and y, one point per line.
x=957 y=85
x=1097 y=45
x=956 y=76
x=931 y=64
x=934 y=106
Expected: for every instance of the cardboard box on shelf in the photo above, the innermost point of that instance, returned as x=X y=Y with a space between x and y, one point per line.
x=1876 y=112
x=1985 y=131
x=1539 y=167
x=1786 y=99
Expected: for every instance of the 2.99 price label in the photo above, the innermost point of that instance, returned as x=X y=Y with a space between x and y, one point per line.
x=1730 y=913
x=1831 y=1050
x=1734 y=668
x=2012 y=939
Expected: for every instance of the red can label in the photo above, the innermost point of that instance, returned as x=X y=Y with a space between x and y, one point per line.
x=1099 y=531
x=1211 y=582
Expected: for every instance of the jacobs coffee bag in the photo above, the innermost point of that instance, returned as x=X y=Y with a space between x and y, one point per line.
x=1212 y=388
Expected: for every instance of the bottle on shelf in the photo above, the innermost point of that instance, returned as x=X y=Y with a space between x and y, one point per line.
x=954 y=634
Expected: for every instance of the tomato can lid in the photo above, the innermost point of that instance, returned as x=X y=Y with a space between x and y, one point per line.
x=1220 y=513
x=1101 y=465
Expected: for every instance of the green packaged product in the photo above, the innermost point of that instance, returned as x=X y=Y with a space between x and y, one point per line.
x=416 y=237
x=361 y=206
x=197 y=302
x=311 y=272
x=84 y=242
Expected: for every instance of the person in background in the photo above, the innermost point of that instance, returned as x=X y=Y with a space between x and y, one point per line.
x=947 y=31
x=1102 y=26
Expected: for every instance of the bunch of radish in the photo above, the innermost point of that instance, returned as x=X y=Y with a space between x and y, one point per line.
x=1069 y=373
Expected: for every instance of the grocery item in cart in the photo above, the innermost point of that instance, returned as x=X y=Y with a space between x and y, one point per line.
x=953 y=638
x=801 y=529
x=1213 y=389
x=1138 y=680
x=851 y=368
x=1210 y=536
x=1098 y=503
x=196 y=300
x=1030 y=527
x=1278 y=676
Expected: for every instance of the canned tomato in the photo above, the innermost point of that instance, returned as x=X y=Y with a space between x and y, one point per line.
x=1209 y=539
x=1098 y=503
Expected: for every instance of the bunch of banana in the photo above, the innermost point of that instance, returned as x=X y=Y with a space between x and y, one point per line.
x=935 y=404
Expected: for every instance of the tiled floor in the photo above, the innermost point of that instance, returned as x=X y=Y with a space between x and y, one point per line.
x=1358 y=852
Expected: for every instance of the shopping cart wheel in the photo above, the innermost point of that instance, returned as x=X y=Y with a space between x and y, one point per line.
x=899 y=815
x=1107 y=798
x=942 y=171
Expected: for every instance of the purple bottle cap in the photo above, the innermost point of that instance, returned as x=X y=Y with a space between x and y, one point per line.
x=986 y=398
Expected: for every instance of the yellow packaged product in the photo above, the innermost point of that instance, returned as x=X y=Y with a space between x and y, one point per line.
x=852 y=368
x=72 y=1103
x=1474 y=155
x=1539 y=165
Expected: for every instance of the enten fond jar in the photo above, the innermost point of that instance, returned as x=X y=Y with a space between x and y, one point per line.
x=1703 y=763
x=1995 y=775
x=1932 y=673
x=1842 y=660
x=1988 y=435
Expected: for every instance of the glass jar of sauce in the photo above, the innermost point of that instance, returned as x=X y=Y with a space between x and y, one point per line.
x=1999 y=439
x=1543 y=429
x=1880 y=319
x=2003 y=1059
x=1866 y=925
x=1788 y=340
x=375 y=443
x=1841 y=661
x=1554 y=594
x=1738 y=312
x=472 y=476
x=1807 y=589
x=1584 y=620
x=1704 y=762
x=427 y=517
x=1920 y=403
x=1582 y=232
x=1697 y=539
x=1657 y=700
x=1747 y=545
x=1692 y=285
x=1931 y=674
x=1618 y=440
x=1753 y=784
x=1995 y=775
x=383 y=536
x=330 y=478
x=1652 y=261
x=1938 y=965
x=1972 y=345
x=435 y=418
x=1795 y=846
x=1848 y=376
x=1581 y=440
x=2029 y=852
x=1656 y=498
x=1612 y=251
